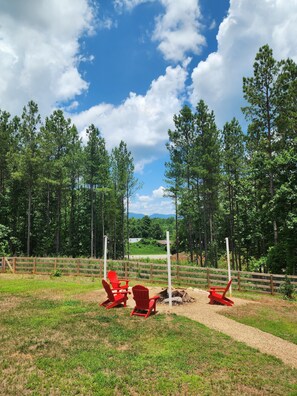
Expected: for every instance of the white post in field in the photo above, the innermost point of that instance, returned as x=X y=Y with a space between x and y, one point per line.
x=169 y=269
x=228 y=261
x=105 y=258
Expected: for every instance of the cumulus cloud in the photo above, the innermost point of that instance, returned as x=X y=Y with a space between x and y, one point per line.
x=142 y=121
x=248 y=26
x=178 y=29
x=153 y=203
x=39 y=51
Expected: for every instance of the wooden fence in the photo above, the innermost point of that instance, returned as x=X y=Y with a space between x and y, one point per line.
x=182 y=275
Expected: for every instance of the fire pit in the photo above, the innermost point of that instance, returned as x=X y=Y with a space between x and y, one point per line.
x=179 y=296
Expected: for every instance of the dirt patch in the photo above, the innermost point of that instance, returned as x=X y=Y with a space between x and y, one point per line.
x=93 y=296
x=9 y=303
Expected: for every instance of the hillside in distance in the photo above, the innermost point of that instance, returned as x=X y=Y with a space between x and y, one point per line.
x=153 y=216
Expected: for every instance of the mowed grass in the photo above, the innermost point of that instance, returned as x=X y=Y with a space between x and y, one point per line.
x=56 y=342
x=271 y=314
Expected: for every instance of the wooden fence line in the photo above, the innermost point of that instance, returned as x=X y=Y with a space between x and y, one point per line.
x=155 y=273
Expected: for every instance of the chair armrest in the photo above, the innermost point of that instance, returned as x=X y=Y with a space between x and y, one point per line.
x=115 y=292
x=118 y=290
x=155 y=298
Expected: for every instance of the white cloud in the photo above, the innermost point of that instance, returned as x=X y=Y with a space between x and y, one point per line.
x=249 y=25
x=129 y=4
x=39 y=51
x=141 y=121
x=178 y=29
x=159 y=192
x=154 y=203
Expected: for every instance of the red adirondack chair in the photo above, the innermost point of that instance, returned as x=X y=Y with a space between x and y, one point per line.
x=114 y=298
x=144 y=304
x=217 y=298
x=116 y=282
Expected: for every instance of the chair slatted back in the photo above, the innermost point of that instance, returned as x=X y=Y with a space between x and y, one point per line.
x=141 y=296
x=107 y=288
x=227 y=288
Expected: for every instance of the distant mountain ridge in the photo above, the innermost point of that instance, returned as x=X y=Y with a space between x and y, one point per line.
x=153 y=216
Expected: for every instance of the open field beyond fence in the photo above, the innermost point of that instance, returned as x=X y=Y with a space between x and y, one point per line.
x=182 y=275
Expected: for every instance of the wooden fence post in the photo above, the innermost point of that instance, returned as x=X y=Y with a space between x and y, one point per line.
x=77 y=267
x=208 y=277
x=151 y=272
x=100 y=268
x=271 y=284
x=14 y=264
x=3 y=264
x=238 y=280
x=34 y=265
x=177 y=272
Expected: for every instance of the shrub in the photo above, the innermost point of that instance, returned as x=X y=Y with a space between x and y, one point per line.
x=287 y=289
x=57 y=273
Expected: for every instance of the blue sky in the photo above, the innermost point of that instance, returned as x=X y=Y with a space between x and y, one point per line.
x=129 y=65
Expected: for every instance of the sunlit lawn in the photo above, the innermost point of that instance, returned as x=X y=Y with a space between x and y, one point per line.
x=55 y=342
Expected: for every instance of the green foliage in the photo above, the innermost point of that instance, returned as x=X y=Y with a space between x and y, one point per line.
x=57 y=273
x=277 y=258
x=287 y=289
x=258 y=264
x=4 y=235
x=154 y=228
x=8 y=243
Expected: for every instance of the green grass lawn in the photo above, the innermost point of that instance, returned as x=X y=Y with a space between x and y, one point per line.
x=55 y=342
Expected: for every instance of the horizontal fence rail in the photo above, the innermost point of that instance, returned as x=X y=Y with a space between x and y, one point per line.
x=181 y=275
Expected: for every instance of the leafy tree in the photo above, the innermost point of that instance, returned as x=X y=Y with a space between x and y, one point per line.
x=25 y=162
x=55 y=145
x=124 y=186
x=207 y=174
x=260 y=93
x=156 y=231
x=96 y=178
x=233 y=157
x=178 y=172
x=146 y=227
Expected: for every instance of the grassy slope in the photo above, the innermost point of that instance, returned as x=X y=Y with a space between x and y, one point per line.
x=54 y=343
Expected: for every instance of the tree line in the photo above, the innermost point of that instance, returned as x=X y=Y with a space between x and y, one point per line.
x=154 y=228
x=227 y=183
x=58 y=196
